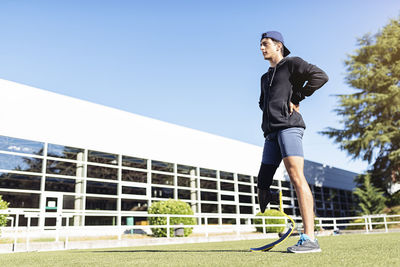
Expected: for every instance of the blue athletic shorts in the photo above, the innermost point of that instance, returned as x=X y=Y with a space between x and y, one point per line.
x=281 y=144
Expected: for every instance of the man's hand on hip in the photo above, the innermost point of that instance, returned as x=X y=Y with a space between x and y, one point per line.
x=294 y=107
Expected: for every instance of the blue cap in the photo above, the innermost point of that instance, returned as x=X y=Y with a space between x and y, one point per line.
x=277 y=36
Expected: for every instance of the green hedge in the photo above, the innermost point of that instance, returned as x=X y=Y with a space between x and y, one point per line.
x=271 y=229
x=3 y=206
x=170 y=207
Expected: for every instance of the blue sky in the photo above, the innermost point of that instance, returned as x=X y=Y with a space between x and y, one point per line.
x=192 y=63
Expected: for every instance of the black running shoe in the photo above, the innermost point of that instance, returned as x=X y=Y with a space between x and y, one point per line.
x=265 y=196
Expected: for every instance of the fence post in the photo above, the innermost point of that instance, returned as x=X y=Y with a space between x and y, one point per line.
x=263 y=225
x=27 y=233
x=16 y=232
x=334 y=225
x=66 y=232
x=370 y=223
x=366 y=224
x=238 y=225
x=58 y=222
x=384 y=220
x=168 y=234
x=206 y=224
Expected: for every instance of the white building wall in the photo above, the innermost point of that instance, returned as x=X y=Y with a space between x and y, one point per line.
x=35 y=114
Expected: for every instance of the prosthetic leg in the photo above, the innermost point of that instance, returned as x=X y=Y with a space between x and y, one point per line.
x=269 y=246
x=264 y=181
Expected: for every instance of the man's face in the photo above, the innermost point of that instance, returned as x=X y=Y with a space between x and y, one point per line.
x=269 y=48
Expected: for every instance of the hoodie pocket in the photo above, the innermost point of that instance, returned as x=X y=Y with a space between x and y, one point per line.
x=285 y=110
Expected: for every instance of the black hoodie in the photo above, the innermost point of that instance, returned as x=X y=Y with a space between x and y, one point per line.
x=284 y=84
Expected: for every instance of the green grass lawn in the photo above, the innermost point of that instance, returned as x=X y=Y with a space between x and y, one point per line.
x=342 y=250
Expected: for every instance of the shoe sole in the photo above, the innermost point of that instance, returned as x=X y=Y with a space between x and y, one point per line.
x=306 y=251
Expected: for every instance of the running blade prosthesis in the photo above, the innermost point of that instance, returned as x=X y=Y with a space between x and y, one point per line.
x=283 y=238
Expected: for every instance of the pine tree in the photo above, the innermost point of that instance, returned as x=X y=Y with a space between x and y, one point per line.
x=370 y=198
x=371 y=115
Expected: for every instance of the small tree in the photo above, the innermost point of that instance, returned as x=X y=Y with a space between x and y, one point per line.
x=371 y=199
x=3 y=206
x=170 y=206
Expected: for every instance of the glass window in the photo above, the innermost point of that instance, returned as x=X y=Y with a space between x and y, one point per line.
x=21 y=200
x=103 y=220
x=226 y=175
x=317 y=189
x=162 y=166
x=133 y=190
x=183 y=169
x=209 y=196
x=102 y=172
x=286 y=193
x=208 y=184
x=288 y=211
x=19 y=181
x=244 y=199
x=20 y=163
x=61 y=167
x=21 y=145
x=60 y=185
x=134 y=205
x=185 y=194
x=162 y=192
x=64 y=152
x=287 y=202
x=209 y=208
x=231 y=221
x=99 y=203
x=244 y=188
x=162 y=179
x=134 y=162
x=246 y=209
x=102 y=157
x=134 y=176
x=227 y=186
x=244 y=178
x=101 y=188
x=208 y=173
x=228 y=208
x=318 y=196
x=319 y=204
x=69 y=202
x=255 y=179
x=228 y=197
x=275 y=182
x=285 y=184
x=187 y=182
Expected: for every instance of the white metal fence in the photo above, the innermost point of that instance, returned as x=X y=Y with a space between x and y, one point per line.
x=242 y=223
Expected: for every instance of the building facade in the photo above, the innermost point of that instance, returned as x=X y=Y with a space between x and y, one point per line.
x=65 y=154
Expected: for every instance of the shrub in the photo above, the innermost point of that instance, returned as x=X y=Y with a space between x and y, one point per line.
x=356 y=227
x=170 y=207
x=317 y=227
x=271 y=229
x=3 y=218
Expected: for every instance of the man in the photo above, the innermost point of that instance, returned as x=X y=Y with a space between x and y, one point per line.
x=288 y=81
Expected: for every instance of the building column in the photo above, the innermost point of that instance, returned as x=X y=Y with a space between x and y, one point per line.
x=79 y=189
x=193 y=191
